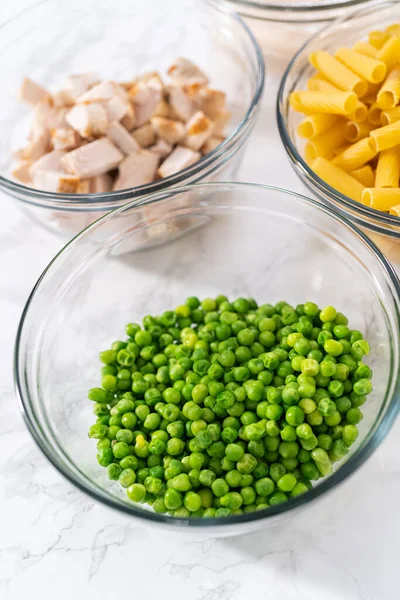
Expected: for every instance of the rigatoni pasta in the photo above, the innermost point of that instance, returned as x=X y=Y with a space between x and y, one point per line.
x=352 y=119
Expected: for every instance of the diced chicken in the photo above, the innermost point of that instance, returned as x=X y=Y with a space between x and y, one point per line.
x=129 y=120
x=84 y=187
x=198 y=130
x=137 y=169
x=162 y=148
x=32 y=93
x=64 y=138
x=63 y=98
x=116 y=108
x=37 y=147
x=168 y=130
x=48 y=162
x=98 y=93
x=221 y=122
x=88 y=119
x=53 y=181
x=59 y=119
x=122 y=138
x=145 y=136
x=145 y=96
x=184 y=72
x=182 y=105
x=211 y=102
x=100 y=184
x=92 y=159
x=212 y=143
x=163 y=109
x=76 y=85
x=21 y=172
x=179 y=159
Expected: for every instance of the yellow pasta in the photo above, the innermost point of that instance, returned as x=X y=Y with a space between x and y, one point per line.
x=356 y=156
x=385 y=137
x=318 y=84
x=389 y=94
x=325 y=143
x=388 y=168
x=365 y=48
x=395 y=210
x=364 y=175
x=353 y=131
x=315 y=124
x=374 y=114
x=336 y=73
x=377 y=38
x=393 y=29
x=390 y=52
x=390 y=116
x=381 y=198
x=338 y=103
x=359 y=114
x=338 y=179
x=368 y=68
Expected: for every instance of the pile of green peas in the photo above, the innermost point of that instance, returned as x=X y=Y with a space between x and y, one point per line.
x=221 y=408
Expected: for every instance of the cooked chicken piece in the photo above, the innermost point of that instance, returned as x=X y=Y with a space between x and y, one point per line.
x=163 y=109
x=211 y=102
x=92 y=159
x=179 y=159
x=122 y=138
x=65 y=138
x=88 y=119
x=84 y=187
x=36 y=147
x=145 y=136
x=53 y=181
x=137 y=169
x=21 y=172
x=221 y=121
x=129 y=120
x=182 y=105
x=76 y=85
x=145 y=96
x=117 y=108
x=100 y=184
x=32 y=93
x=211 y=144
x=168 y=130
x=98 y=93
x=63 y=98
x=48 y=162
x=184 y=72
x=198 y=130
x=162 y=148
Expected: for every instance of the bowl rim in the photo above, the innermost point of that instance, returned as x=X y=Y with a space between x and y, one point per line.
x=294 y=6
x=95 y=202
x=298 y=162
x=348 y=468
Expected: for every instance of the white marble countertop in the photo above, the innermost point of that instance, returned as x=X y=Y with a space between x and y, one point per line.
x=56 y=542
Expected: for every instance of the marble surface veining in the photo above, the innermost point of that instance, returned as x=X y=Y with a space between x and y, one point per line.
x=56 y=542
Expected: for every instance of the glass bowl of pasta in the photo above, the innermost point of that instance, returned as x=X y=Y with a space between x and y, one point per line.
x=338 y=113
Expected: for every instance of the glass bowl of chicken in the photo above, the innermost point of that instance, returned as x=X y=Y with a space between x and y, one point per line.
x=106 y=106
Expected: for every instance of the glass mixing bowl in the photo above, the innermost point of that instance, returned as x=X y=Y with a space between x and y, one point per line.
x=384 y=229
x=94 y=36
x=236 y=239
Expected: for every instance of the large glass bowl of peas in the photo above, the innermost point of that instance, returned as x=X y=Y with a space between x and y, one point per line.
x=214 y=358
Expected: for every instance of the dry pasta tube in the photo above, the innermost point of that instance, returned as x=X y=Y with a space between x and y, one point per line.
x=395 y=210
x=338 y=179
x=341 y=149
x=381 y=198
x=325 y=143
x=370 y=69
x=364 y=175
x=356 y=156
x=359 y=114
x=389 y=94
x=388 y=168
x=318 y=84
x=369 y=99
x=390 y=116
x=336 y=73
x=374 y=114
x=365 y=48
x=338 y=103
x=390 y=52
x=377 y=38
x=393 y=29
x=316 y=124
x=353 y=131
x=385 y=137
